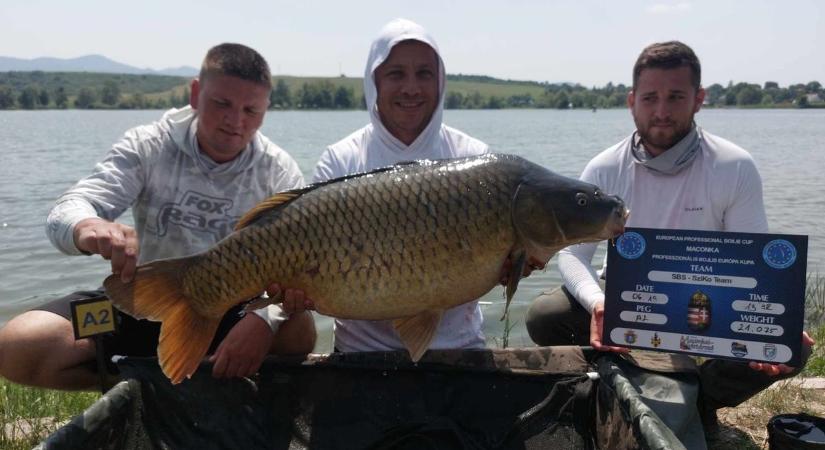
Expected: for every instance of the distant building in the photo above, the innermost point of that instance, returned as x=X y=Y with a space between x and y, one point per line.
x=814 y=98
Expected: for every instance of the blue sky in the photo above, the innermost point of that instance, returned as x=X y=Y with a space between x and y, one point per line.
x=590 y=42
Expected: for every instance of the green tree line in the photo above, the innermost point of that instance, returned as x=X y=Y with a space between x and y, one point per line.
x=62 y=90
x=42 y=90
x=314 y=95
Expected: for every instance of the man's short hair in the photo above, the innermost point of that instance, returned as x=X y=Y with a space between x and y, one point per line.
x=236 y=60
x=668 y=55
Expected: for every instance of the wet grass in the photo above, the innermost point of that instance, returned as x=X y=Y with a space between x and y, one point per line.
x=815 y=324
x=28 y=415
x=814 y=300
x=746 y=426
x=816 y=363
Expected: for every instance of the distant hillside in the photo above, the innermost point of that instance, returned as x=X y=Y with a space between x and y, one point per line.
x=463 y=91
x=161 y=91
x=45 y=90
x=490 y=80
x=88 y=63
x=73 y=82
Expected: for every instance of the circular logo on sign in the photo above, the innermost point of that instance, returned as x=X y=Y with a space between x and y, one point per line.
x=630 y=245
x=779 y=254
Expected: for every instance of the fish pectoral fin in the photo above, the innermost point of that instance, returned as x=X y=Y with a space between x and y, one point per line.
x=184 y=340
x=417 y=332
x=518 y=261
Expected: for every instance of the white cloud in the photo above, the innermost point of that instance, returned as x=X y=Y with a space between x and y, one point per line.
x=664 y=8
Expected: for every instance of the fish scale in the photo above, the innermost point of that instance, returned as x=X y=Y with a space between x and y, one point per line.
x=387 y=250
x=403 y=243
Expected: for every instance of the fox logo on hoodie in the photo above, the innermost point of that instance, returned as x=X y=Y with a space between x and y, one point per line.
x=198 y=212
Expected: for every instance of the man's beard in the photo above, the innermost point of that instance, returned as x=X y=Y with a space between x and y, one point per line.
x=664 y=142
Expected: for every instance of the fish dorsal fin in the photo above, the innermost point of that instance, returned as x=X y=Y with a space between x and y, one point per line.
x=417 y=332
x=281 y=199
x=276 y=201
x=383 y=169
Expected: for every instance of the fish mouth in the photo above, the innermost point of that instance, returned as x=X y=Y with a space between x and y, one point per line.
x=616 y=222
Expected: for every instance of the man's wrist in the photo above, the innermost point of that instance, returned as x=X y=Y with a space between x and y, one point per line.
x=590 y=303
x=272 y=316
x=77 y=228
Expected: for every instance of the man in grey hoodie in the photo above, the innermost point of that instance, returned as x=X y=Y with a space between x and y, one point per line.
x=188 y=178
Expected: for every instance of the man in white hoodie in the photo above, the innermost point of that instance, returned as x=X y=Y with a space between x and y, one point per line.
x=188 y=178
x=404 y=86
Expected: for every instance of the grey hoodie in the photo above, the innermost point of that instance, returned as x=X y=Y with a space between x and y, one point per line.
x=182 y=201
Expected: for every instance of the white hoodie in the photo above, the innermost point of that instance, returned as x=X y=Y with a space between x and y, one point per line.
x=182 y=201
x=372 y=147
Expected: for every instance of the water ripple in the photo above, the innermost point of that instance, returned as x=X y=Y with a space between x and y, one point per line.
x=63 y=146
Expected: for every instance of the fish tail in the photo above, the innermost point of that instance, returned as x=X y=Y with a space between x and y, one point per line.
x=184 y=339
x=156 y=293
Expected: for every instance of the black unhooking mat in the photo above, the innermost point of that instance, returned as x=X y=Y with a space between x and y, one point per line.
x=535 y=398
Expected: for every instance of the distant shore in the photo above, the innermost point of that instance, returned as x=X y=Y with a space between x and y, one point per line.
x=83 y=90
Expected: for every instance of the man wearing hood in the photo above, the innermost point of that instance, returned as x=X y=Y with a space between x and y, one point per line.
x=188 y=178
x=404 y=86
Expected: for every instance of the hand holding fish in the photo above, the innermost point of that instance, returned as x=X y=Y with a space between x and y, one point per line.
x=244 y=348
x=295 y=302
x=113 y=241
x=242 y=351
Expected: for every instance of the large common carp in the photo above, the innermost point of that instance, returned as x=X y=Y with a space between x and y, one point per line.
x=405 y=242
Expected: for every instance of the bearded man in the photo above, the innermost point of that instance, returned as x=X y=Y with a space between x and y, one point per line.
x=672 y=174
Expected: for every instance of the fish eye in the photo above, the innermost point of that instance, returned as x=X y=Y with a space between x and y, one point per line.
x=581 y=199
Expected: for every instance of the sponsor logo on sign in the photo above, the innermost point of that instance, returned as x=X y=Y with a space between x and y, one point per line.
x=696 y=343
x=630 y=336
x=631 y=245
x=738 y=349
x=655 y=341
x=769 y=351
